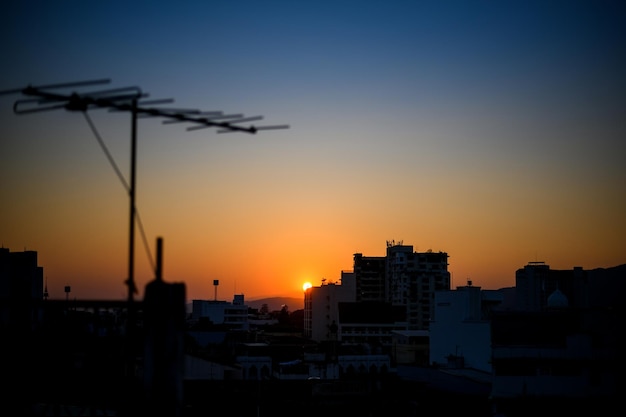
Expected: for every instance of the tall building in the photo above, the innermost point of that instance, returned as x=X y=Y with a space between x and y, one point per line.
x=411 y=279
x=403 y=279
x=369 y=272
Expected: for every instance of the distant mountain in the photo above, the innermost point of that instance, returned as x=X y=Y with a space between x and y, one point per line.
x=276 y=303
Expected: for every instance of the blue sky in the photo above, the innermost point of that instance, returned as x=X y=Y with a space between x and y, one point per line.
x=493 y=131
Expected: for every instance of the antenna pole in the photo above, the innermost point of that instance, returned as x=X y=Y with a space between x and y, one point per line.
x=133 y=174
x=126 y=99
x=159 y=258
x=130 y=340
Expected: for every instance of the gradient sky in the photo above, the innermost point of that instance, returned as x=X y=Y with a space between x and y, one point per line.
x=494 y=131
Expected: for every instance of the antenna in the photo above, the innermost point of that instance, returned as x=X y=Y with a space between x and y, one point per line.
x=126 y=99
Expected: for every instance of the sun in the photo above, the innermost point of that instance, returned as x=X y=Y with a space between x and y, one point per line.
x=306 y=286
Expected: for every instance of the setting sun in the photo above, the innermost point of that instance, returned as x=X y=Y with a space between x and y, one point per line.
x=306 y=286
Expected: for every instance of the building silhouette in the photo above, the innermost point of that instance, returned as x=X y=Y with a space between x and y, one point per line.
x=411 y=280
x=369 y=272
x=460 y=332
x=551 y=344
x=21 y=289
x=403 y=282
x=561 y=349
x=321 y=307
x=233 y=315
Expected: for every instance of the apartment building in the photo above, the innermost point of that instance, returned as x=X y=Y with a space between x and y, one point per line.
x=321 y=311
x=411 y=280
x=369 y=275
x=402 y=279
x=460 y=332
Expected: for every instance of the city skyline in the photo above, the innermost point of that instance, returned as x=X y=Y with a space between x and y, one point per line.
x=491 y=132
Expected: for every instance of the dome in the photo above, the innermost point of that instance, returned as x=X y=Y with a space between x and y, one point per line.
x=557 y=299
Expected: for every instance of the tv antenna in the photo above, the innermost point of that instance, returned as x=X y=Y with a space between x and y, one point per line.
x=129 y=99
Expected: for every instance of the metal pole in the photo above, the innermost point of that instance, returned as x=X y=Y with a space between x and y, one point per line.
x=159 y=258
x=130 y=324
x=131 y=236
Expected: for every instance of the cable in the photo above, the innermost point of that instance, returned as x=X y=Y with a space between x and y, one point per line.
x=106 y=151
x=126 y=186
x=145 y=242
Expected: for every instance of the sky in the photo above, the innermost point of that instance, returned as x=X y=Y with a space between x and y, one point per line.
x=493 y=131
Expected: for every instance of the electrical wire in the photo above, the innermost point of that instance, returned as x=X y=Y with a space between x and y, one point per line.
x=126 y=186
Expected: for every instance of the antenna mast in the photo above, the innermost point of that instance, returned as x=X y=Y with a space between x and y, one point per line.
x=127 y=99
